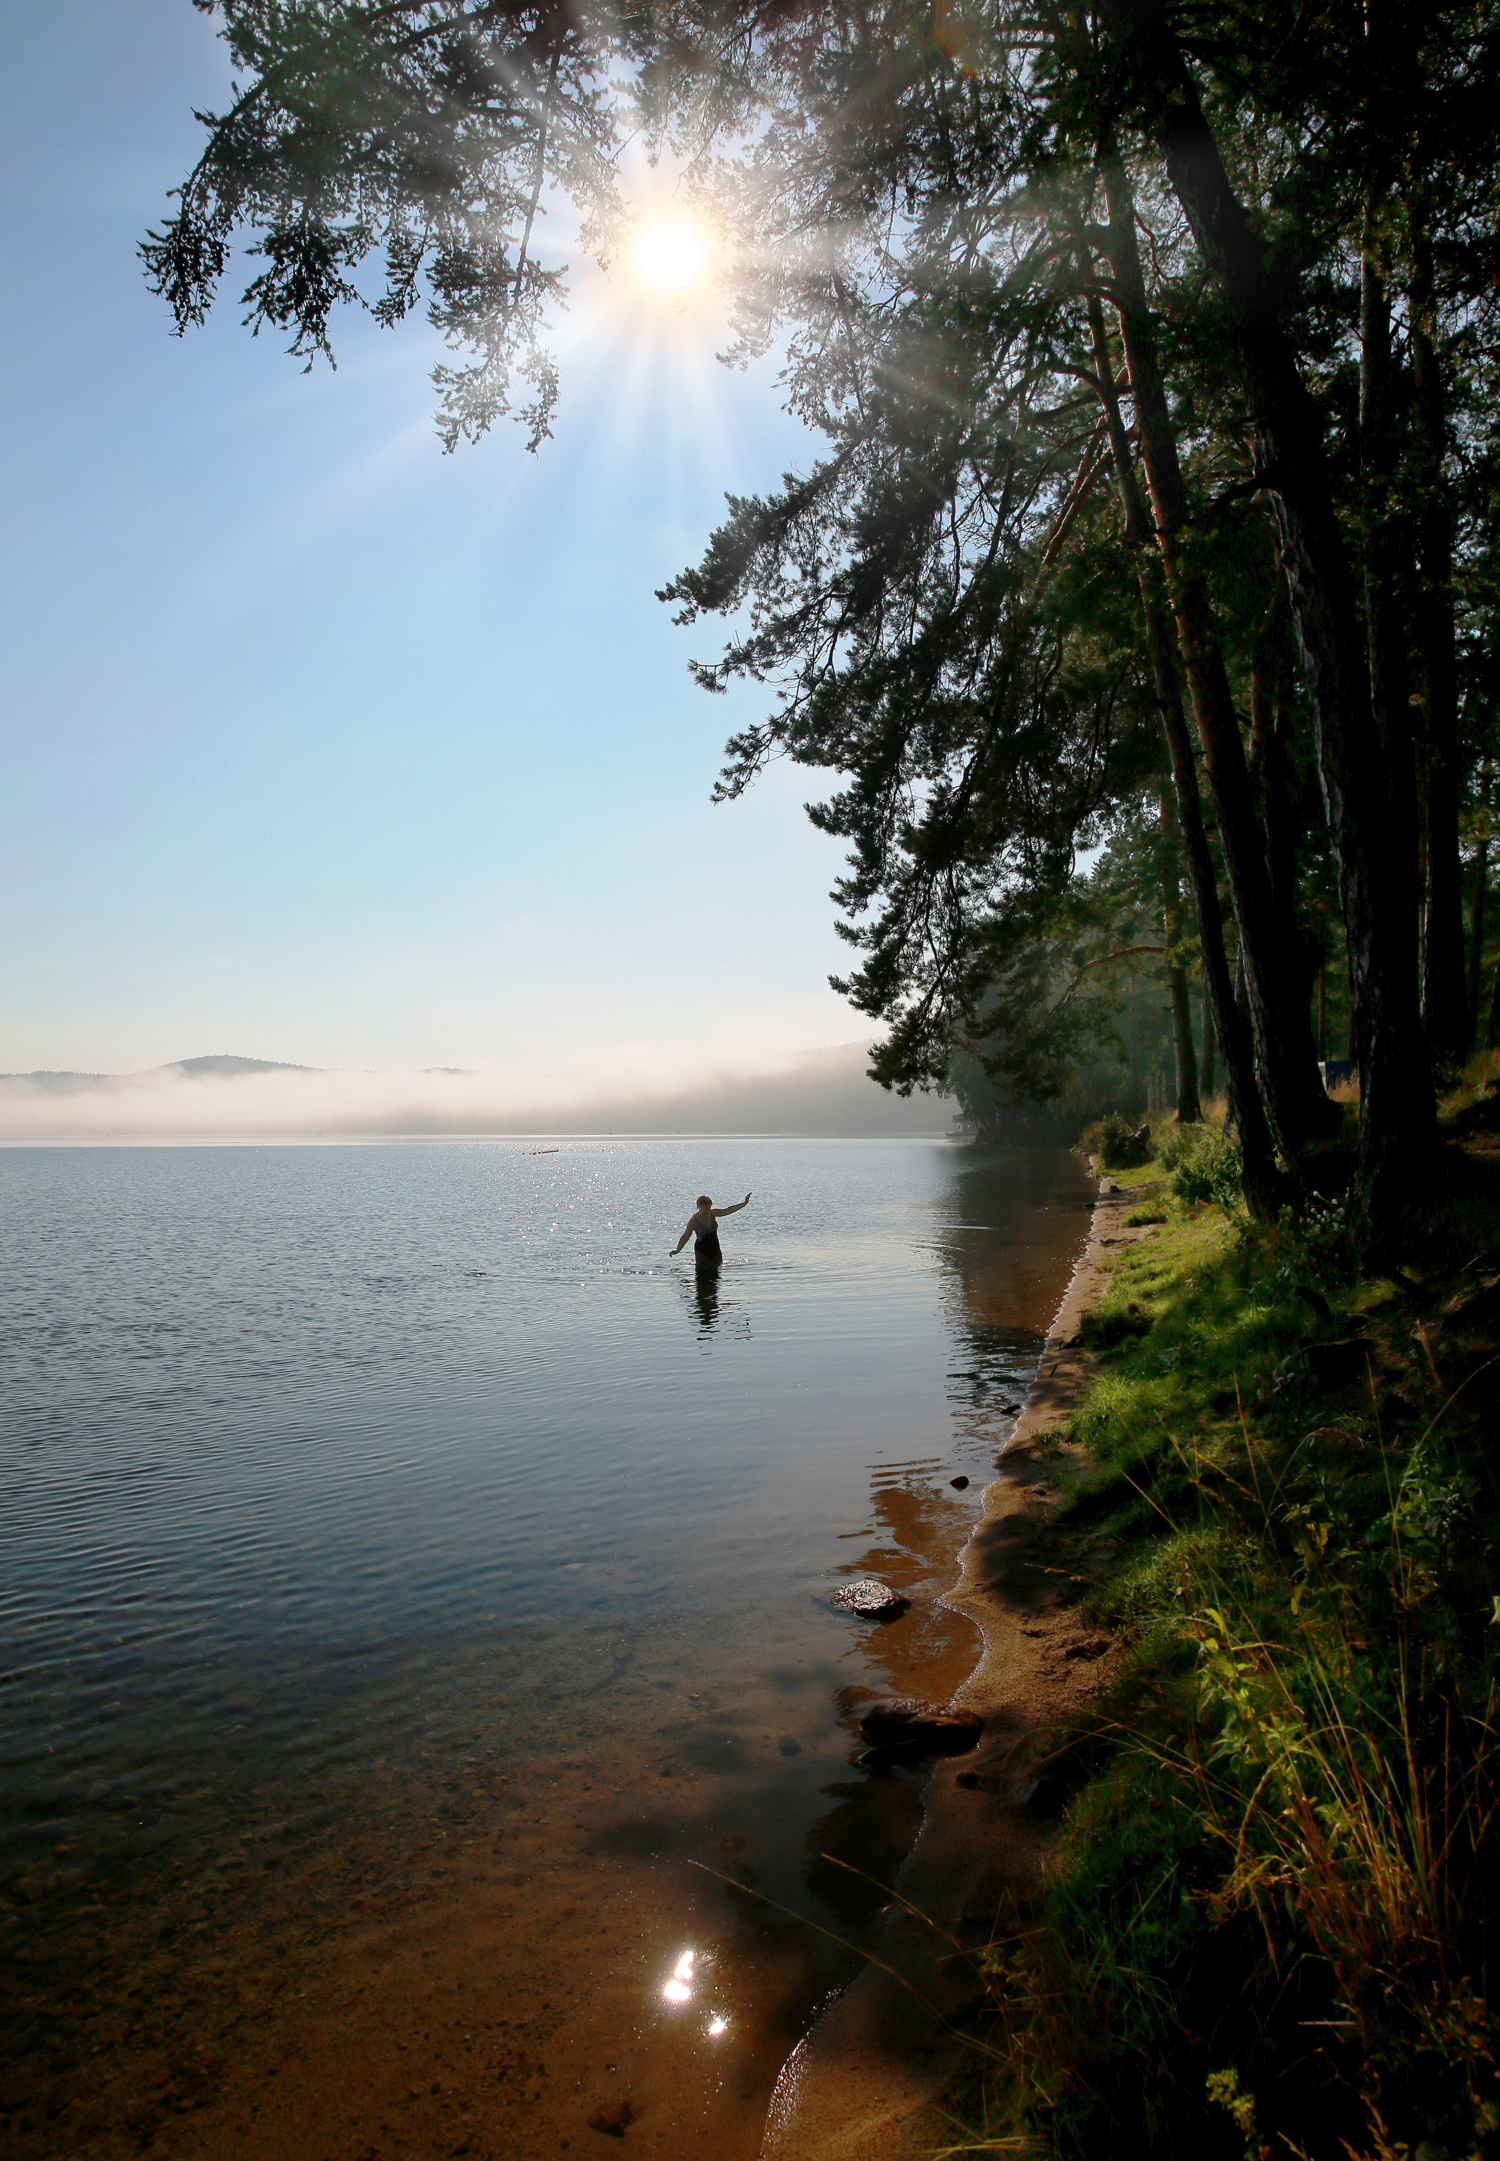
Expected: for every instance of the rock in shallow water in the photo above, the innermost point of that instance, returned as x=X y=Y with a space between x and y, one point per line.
x=876 y=1601
x=614 y=2121
x=903 y=1730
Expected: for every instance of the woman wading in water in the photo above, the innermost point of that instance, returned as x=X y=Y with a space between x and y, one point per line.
x=703 y=1229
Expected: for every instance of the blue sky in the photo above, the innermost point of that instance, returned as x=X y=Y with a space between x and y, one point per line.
x=320 y=745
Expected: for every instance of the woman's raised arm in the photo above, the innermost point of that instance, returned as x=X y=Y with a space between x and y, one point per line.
x=734 y=1210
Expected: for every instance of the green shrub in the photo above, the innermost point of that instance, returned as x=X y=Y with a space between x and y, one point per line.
x=1203 y=1163
x=1122 y=1146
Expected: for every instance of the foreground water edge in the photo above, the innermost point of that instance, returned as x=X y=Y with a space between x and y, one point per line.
x=536 y=1584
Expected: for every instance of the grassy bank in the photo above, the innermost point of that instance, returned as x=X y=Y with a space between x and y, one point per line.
x=1265 y=1926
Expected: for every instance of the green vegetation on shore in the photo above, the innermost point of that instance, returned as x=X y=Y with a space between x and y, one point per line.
x=1264 y=1927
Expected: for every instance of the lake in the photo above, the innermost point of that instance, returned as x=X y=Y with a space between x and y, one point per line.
x=417 y=1646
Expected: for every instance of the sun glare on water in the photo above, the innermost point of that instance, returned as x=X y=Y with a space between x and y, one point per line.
x=672 y=255
x=680 y=1988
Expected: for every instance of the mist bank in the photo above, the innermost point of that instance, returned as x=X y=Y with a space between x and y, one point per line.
x=823 y=1093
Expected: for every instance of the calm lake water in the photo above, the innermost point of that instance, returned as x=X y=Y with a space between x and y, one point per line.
x=337 y=1476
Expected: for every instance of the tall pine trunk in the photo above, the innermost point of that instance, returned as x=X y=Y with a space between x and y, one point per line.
x=1185 y=1061
x=1444 y=1001
x=1210 y=1043
x=1385 y=624
x=1477 y=914
x=1269 y=760
x=1263 y=1182
x=1284 y=1051
x=1398 y=1112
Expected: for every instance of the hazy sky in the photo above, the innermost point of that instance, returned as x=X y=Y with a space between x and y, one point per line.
x=320 y=745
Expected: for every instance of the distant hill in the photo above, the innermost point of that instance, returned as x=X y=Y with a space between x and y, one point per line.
x=822 y=1092
x=69 y=1084
x=55 y=1084
x=224 y=1065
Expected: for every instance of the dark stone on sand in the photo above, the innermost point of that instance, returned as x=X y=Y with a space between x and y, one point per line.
x=614 y=2119
x=874 y=1601
x=786 y=1746
x=904 y=1731
x=960 y=1482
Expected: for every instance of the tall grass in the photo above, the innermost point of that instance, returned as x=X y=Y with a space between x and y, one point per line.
x=1265 y=1926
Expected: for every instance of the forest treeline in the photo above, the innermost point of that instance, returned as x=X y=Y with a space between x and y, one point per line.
x=1139 y=603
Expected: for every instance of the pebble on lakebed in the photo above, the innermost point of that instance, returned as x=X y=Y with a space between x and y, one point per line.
x=876 y=1601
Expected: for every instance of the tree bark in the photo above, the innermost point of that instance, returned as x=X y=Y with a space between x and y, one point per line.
x=1269 y=762
x=1385 y=627
x=1444 y=1003
x=1263 y=1183
x=1481 y=896
x=1189 y=1110
x=1398 y=1112
x=1294 y=1098
x=1210 y=1043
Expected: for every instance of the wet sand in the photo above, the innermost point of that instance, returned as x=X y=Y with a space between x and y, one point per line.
x=872 y=2075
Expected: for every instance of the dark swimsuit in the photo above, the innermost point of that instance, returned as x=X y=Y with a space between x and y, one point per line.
x=707 y=1252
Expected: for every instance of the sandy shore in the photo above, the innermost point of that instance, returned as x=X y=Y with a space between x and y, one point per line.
x=869 y=2076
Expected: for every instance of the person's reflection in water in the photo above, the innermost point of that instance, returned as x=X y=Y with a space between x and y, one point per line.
x=706 y=1295
x=711 y=1311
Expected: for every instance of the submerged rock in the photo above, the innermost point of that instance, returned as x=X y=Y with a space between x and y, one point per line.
x=876 y=1601
x=903 y=1730
x=960 y=1482
x=613 y=2120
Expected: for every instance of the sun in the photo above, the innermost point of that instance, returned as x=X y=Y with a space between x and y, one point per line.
x=672 y=254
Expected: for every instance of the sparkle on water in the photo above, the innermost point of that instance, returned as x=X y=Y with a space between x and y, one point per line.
x=680 y=1988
